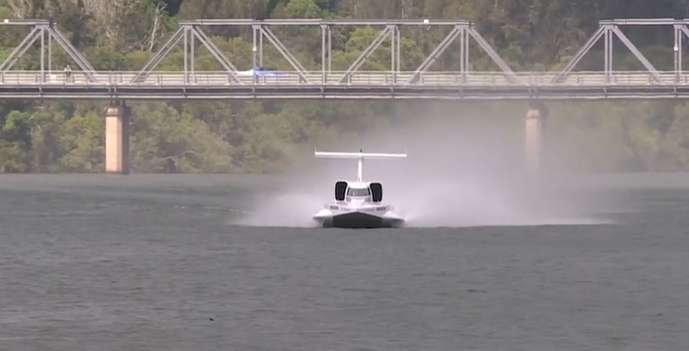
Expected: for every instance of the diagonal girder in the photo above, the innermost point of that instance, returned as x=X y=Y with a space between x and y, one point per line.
x=80 y=60
x=464 y=32
x=579 y=55
x=45 y=33
x=635 y=51
x=390 y=31
x=193 y=32
x=608 y=29
x=19 y=51
x=189 y=34
x=214 y=50
x=265 y=32
x=155 y=60
x=491 y=52
x=262 y=32
x=439 y=50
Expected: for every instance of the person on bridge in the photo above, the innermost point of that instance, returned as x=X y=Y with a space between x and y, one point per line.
x=68 y=73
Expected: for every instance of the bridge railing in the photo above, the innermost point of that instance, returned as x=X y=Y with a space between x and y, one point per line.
x=370 y=78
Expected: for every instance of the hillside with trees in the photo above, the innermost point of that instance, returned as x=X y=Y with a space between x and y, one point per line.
x=267 y=136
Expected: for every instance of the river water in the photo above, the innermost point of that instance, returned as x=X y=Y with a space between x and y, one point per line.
x=149 y=262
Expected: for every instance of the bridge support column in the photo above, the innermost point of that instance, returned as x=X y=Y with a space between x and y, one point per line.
x=535 y=125
x=117 y=139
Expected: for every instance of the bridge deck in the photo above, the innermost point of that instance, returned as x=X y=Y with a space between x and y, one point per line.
x=362 y=85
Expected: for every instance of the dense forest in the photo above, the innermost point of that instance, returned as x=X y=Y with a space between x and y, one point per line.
x=267 y=136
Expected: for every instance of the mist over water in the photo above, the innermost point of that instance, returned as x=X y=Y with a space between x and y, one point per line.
x=291 y=208
x=463 y=169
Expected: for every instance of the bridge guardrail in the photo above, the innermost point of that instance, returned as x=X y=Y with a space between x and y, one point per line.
x=365 y=78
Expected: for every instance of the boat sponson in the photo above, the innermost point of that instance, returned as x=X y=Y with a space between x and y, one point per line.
x=361 y=220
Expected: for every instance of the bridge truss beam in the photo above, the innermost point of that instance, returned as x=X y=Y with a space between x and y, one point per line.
x=190 y=30
x=45 y=33
x=608 y=29
x=189 y=33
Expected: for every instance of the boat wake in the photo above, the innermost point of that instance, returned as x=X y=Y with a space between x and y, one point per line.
x=293 y=209
x=470 y=205
x=427 y=197
x=449 y=206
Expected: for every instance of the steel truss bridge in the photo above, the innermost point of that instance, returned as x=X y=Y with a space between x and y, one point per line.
x=86 y=82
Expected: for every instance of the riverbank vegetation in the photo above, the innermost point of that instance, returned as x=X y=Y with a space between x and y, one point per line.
x=256 y=136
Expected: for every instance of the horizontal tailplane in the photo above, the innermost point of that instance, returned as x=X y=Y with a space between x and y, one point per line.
x=356 y=155
x=360 y=156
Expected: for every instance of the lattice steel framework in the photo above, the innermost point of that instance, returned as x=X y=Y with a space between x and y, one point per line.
x=189 y=31
x=45 y=33
x=608 y=29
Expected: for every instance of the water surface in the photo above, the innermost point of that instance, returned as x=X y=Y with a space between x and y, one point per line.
x=150 y=262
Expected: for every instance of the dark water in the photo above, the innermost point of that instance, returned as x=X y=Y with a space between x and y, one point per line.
x=145 y=263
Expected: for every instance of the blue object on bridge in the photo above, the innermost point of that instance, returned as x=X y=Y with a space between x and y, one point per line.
x=263 y=71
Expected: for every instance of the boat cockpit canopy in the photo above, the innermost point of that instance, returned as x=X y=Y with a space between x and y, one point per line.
x=358 y=192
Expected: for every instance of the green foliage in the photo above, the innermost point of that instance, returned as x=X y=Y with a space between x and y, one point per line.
x=250 y=136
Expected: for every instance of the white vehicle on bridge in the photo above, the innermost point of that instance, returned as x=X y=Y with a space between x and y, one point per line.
x=358 y=204
x=260 y=71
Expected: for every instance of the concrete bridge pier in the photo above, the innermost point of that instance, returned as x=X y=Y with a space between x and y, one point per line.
x=534 y=132
x=117 y=117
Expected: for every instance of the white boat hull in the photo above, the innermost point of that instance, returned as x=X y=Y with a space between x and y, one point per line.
x=358 y=204
x=357 y=219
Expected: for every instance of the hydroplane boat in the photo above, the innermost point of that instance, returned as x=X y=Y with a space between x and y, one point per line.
x=358 y=204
